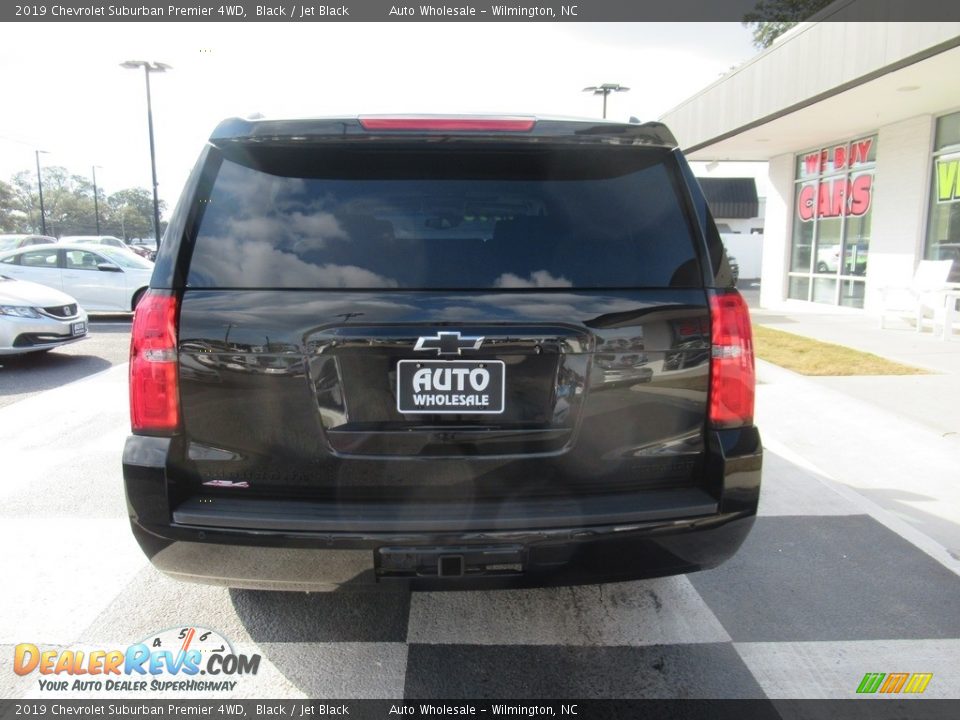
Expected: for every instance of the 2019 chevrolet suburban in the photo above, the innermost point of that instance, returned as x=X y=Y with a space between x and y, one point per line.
x=452 y=351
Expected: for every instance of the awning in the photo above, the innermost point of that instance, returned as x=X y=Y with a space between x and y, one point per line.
x=731 y=197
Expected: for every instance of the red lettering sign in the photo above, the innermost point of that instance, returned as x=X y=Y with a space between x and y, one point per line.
x=840 y=156
x=860 y=151
x=805 y=202
x=860 y=195
x=835 y=198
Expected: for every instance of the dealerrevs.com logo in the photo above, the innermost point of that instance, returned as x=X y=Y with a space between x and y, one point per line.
x=179 y=659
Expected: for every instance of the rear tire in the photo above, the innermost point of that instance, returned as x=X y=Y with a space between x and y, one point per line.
x=137 y=297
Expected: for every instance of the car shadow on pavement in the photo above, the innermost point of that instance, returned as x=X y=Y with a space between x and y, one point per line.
x=35 y=372
x=349 y=614
x=113 y=323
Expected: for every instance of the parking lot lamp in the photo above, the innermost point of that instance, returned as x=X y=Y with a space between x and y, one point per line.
x=605 y=90
x=96 y=202
x=148 y=68
x=43 y=217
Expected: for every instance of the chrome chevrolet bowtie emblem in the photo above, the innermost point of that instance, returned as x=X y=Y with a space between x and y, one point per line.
x=448 y=343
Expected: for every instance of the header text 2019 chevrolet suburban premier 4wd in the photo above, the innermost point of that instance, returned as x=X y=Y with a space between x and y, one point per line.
x=456 y=351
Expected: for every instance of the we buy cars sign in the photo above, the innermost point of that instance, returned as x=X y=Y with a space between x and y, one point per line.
x=847 y=195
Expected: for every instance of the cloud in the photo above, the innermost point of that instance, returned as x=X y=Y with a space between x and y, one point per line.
x=236 y=262
x=538 y=279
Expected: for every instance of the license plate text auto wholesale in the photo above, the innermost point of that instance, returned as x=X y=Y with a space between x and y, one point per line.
x=78 y=328
x=462 y=387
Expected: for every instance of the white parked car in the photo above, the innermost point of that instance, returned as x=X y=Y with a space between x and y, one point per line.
x=12 y=242
x=108 y=240
x=35 y=318
x=102 y=279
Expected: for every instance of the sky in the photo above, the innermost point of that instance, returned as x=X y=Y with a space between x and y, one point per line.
x=65 y=93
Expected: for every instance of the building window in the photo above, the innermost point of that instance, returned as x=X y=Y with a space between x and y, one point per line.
x=831 y=223
x=943 y=227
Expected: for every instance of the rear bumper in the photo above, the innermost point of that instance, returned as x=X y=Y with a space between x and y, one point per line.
x=238 y=551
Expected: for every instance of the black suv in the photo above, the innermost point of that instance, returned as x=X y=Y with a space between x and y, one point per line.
x=454 y=351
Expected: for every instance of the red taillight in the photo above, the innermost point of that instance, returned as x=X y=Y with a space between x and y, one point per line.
x=449 y=124
x=154 y=395
x=732 y=374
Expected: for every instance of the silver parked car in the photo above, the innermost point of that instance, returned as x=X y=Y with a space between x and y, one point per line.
x=12 y=242
x=36 y=318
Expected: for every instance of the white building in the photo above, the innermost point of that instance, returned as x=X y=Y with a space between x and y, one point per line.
x=860 y=125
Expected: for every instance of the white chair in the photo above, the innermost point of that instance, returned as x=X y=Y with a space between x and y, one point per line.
x=928 y=284
x=943 y=307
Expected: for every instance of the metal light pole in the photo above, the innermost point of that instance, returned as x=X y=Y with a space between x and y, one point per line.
x=148 y=68
x=96 y=202
x=43 y=216
x=605 y=90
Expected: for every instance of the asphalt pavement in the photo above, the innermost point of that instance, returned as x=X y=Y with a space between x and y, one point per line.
x=829 y=586
x=107 y=344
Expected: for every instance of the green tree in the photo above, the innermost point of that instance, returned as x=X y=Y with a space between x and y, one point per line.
x=12 y=217
x=69 y=208
x=67 y=202
x=771 y=18
x=131 y=213
x=27 y=200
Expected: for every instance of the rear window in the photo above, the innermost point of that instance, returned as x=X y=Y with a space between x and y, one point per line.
x=599 y=217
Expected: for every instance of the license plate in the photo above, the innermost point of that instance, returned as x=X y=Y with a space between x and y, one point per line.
x=78 y=328
x=461 y=387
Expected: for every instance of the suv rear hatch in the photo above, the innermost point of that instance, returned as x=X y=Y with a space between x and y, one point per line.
x=544 y=286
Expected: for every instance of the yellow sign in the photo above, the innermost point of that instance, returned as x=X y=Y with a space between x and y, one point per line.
x=948 y=180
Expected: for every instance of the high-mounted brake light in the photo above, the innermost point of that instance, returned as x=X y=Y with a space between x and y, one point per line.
x=732 y=373
x=154 y=391
x=449 y=124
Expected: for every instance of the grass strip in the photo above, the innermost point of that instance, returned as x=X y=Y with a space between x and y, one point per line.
x=812 y=357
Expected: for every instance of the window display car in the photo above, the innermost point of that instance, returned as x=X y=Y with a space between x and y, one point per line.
x=855 y=263
x=35 y=318
x=434 y=350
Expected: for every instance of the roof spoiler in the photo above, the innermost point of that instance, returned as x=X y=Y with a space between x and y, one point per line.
x=318 y=129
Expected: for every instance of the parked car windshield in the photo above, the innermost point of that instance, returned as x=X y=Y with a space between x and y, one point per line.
x=9 y=243
x=595 y=217
x=125 y=258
